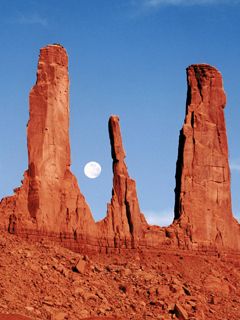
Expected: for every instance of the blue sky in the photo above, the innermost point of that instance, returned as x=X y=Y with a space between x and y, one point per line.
x=126 y=57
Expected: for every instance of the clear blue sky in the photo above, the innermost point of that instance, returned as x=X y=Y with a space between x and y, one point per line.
x=128 y=58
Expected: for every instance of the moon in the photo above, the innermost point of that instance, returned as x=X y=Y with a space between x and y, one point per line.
x=92 y=170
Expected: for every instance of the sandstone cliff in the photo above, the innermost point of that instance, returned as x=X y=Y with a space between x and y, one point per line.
x=203 y=197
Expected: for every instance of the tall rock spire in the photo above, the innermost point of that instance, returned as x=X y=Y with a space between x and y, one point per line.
x=203 y=198
x=124 y=221
x=49 y=199
x=54 y=198
x=48 y=133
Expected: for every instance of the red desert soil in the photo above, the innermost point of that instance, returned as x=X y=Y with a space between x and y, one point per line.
x=12 y=317
x=18 y=317
x=44 y=281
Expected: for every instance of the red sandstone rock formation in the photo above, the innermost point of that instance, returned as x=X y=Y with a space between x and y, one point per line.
x=124 y=222
x=49 y=202
x=203 y=198
x=49 y=199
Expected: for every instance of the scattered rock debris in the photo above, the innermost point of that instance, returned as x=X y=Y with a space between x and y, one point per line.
x=43 y=281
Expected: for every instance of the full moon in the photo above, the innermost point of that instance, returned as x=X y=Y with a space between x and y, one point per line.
x=92 y=169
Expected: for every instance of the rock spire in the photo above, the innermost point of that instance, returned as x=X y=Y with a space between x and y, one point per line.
x=203 y=198
x=124 y=222
x=49 y=199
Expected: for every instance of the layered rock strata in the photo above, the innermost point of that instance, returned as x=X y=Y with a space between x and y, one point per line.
x=124 y=222
x=203 y=197
x=49 y=200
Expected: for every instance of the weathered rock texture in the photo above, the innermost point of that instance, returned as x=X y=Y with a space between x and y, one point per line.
x=203 y=197
x=49 y=199
x=124 y=222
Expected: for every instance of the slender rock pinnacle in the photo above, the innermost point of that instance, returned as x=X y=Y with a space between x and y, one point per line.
x=124 y=220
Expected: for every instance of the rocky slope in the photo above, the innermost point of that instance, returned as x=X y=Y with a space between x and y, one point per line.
x=45 y=281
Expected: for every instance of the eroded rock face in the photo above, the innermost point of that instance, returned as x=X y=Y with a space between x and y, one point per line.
x=49 y=199
x=124 y=222
x=203 y=197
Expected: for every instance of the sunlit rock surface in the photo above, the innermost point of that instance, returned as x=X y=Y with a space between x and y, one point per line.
x=203 y=196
